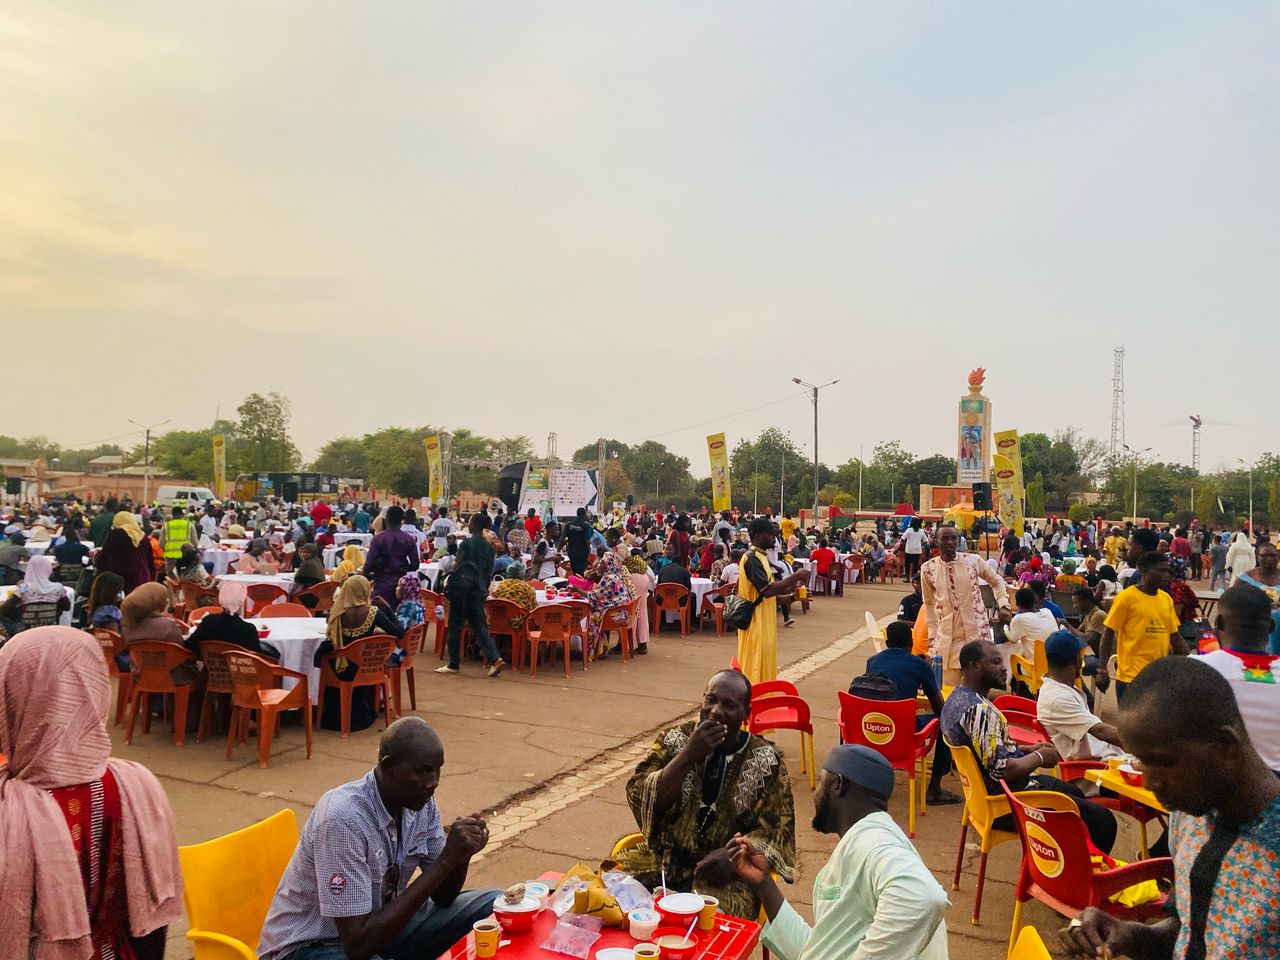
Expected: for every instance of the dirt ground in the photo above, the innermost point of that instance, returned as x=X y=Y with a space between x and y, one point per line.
x=547 y=760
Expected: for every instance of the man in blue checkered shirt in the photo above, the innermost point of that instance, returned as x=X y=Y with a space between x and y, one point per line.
x=347 y=895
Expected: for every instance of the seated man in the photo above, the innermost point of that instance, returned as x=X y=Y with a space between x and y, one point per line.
x=971 y=720
x=823 y=558
x=347 y=890
x=673 y=571
x=910 y=606
x=1027 y=626
x=912 y=675
x=1063 y=711
x=874 y=890
x=1243 y=621
x=701 y=784
x=1180 y=719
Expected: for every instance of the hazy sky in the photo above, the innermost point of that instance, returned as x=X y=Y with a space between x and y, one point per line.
x=630 y=219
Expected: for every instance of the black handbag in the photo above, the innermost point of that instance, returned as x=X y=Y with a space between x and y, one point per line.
x=738 y=611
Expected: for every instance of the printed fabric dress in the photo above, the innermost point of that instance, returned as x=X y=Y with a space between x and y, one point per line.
x=746 y=791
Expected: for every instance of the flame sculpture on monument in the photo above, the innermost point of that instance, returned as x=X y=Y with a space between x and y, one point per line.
x=973 y=448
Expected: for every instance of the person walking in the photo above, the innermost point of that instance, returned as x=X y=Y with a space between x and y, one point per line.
x=467 y=589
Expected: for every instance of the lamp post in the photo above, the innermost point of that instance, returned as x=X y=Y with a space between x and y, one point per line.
x=657 y=480
x=755 y=498
x=1250 y=467
x=814 y=390
x=146 y=458
x=859 y=478
x=1136 y=454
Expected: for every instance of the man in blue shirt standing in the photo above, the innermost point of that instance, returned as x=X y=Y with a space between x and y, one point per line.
x=912 y=676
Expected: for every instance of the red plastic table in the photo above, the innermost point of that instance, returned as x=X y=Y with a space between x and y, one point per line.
x=730 y=939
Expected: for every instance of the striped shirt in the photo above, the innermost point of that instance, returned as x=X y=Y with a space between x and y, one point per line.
x=349 y=861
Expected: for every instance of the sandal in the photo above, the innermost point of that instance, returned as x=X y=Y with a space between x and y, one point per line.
x=942 y=798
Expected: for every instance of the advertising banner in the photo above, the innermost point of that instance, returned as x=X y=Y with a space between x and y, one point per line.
x=718 y=451
x=435 y=467
x=1009 y=504
x=219 y=464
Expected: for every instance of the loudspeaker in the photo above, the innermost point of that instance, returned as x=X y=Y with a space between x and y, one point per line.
x=13 y=485
x=982 y=496
x=289 y=491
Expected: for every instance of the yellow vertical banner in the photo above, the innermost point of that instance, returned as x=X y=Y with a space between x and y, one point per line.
x=435 y=467
x=1009 y=501
x=1009 y=447
x=719 y=454
x=219 y=464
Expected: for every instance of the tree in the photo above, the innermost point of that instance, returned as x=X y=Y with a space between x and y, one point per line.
x=614 y=481
x=1036 y=496
x=344 y=457
x=651 y=465
x=262 y=435
x=392 y=455
x=189 y=453
x=937 y=470
x=1080 y=513
x=591 y=452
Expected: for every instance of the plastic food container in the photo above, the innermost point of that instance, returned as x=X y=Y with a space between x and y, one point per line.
x=671 y=941
x=642 y=922
x=517 y=917
x=1131 y=775
x=679 y=909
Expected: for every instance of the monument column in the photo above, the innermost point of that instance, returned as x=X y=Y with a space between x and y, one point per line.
x=973 y=436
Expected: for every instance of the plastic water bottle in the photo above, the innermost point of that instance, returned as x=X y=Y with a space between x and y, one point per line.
x=937 y=669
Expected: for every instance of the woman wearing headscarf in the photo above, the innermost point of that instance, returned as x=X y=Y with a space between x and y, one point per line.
x=36 y=586
x=392 y=554
x=87 y=843
x=126 y=552
x=229 y=625
x=352 y=561
x=353 y=616
x=190 y=569
x=613 y=588
x=257 y=559
x=409 y=609
x=514 y=588
x=1068 y=581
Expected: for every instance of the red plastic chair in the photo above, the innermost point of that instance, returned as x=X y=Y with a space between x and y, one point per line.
x=1024 y=729
x=431 y=600
x=1056 y=865
x=152 y=661
x=113 y=645
x=262 y=594
x=851 y=563
x=323 y=593
x=889 y=728
x=507 y=619
x=775 y=705
x=370 y=657
x=622 y=621
x=713 y=609
x=295 y=610
x=196 y=615
x=213 y=655
x=411 y=644
x=1011 y=701
x=672 y=596
x=551 y=624
x=255 y=683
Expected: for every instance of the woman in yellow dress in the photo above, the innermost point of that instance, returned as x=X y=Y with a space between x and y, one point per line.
x=758 y=644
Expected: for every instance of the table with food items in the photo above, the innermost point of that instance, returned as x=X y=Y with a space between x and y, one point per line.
x=605 y=915
x=1125 y=779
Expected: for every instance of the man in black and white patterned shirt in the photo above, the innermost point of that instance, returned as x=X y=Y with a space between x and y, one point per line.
x=347 y=891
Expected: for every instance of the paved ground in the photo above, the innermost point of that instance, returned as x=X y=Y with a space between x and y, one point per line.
x=551 y=757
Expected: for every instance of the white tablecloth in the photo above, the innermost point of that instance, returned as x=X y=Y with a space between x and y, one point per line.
x=804 y=563
x=342 y=539
x=280 y=579
x=65 y=619
x=432 y=572
x=297 y=639
x=332 y=556
x=35 y=549
x=221 y=560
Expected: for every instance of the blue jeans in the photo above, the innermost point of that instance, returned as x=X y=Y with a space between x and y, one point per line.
x=431 y=932
x=1214 y=576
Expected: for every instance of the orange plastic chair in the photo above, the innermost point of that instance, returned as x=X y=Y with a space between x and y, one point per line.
x=229 y=883
x=255 y=686
x=672 y=596
x=272 y=610
x=261 y=594
x=776 y=705
x=1056 y=865
x=185 y=595
x=411 y=644
x=370 y=657
x=323 y=593
x=176 y=605
x=581 y=610
x=213 y=654
x=431 y=600
x=199 y=613
x=981 y=811
x=112 y=645
x=622 y=621
x=152 y=661
x=713 y=609
x=851 y=563
x=551 y=624
x=889 y=728
x=507 y=619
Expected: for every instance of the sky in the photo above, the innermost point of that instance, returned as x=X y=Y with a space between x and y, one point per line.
x=641 y=221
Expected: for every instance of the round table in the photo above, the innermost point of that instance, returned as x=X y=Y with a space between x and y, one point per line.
x=280 y=579
x=342 y=539
x=221 y=560
x=297 y=639
x=332 y=555
x=432 y=572
x=37 y=547
x=64 y=619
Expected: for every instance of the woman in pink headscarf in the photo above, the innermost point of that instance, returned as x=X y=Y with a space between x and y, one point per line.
x=87 y=843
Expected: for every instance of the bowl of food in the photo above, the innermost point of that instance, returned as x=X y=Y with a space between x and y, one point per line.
x=516 y=910
x=1131 y=774
x=264 y=630
x=673 y=944
x=679 y=909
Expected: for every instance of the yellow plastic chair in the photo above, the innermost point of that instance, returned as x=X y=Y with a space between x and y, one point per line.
x=981 y=810
x=229 y=882
x=1031 y=672
x=626 y=843
x=1029 y=946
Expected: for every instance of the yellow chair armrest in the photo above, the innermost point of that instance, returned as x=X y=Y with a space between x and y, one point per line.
x=1016 y=662
x=218 y=946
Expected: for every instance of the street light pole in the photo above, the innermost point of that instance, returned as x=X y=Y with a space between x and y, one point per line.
x=146 y=458
x=656 y=482
x=814 y=389
x=1250 y=467
x=755 y=498
x=859 y=479
x=1136 y=454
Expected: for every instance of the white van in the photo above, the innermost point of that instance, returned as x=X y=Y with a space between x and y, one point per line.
x=168 y=495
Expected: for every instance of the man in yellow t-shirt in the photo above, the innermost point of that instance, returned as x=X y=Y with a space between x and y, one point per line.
x=1141 y=626
x=788 y=527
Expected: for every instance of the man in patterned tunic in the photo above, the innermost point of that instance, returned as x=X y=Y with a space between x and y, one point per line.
x=950 y=586
x=701 y=783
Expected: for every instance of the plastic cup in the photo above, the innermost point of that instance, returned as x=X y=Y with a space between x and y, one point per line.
x=486 y=934
x=645 y=951
x=707 y=915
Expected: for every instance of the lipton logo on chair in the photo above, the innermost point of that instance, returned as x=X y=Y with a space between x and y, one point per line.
x=877 y=728
x=1044 y=851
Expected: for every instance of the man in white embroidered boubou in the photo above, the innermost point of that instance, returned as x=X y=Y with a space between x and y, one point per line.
x=701 y=783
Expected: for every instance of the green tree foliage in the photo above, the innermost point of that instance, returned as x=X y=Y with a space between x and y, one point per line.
x=262 y=434
x=1036 y=496
x=344 y=457
x=1080 y=513
x=591 y=452
x=651 y=465
x=189 y=453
